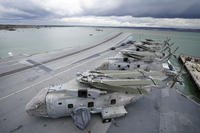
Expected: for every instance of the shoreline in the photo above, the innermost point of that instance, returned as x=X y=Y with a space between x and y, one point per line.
x=13 y=27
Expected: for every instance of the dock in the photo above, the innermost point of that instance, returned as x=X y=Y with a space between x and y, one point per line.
x=192 y=65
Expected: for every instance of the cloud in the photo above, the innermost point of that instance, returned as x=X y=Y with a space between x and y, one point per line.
x=130 y=21
x=152 y=13
x=157 y=9
x=12 y=12
x=22 y=9
x=135 y=8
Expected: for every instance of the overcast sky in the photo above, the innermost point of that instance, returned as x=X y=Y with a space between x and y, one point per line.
x=151 y=13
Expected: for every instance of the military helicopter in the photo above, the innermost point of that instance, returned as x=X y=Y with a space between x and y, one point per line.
x=121 y=62
x=145 y=51
x=103 y=93
x=62 y=100
x=143 y=55
x=151 y=46
x=128 y=81
x=124 y=63
x=121 y=74
x=145 y=59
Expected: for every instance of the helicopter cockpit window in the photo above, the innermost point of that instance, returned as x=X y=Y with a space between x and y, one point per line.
x=70 y=106
x=90 y=104
x=113 y=101
x=171 y=67
x=82 y=93
x=163 y=54
x=125 y=59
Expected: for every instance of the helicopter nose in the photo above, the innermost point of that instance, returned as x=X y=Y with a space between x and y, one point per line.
x=37 y=106
x=35 y=109
x=31 y=109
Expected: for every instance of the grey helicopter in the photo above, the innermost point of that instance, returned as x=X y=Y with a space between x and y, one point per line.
x=120 y=62
x=128 y=81
x=62 y=100
x=127 y=62
x=151 y=46
x=144 y=53
x=104 y=92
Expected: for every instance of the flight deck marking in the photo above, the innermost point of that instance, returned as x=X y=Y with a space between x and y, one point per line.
x=63 y=56
x=41 y=66
x=26 y=88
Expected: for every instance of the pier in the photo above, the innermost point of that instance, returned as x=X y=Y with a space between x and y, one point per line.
x=192 y=64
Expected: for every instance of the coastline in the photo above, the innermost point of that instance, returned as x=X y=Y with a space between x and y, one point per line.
x=13 y=27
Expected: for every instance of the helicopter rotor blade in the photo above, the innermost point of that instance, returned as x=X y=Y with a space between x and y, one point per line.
x=173 y=53
x=173 y=84
x=174 y=56
x=171 y=44
x=147 y=77
x=176 y=49
x=167 y=41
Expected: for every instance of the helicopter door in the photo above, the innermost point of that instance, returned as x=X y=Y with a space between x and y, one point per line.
x=82 y=93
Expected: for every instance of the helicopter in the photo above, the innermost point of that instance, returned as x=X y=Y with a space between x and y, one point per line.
x=143 y=55
x=130 y=62
x=127 y=81
x=141 y=50
x=152 y=47
x=106 y=92
x=146 y=55
x=119 y=62
x=61 y=100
